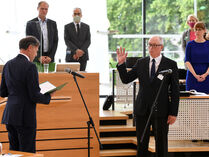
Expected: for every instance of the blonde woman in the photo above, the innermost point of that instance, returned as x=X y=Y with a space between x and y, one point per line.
x=189 y=34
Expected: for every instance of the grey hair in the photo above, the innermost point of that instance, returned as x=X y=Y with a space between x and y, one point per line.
x=161 y=40
x=77 y=8
x=41 y=3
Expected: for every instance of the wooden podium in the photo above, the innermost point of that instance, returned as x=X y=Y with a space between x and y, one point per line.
x=62 y=125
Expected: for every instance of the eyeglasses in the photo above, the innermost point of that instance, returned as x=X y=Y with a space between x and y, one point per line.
x=154 y=45
x=77 y=14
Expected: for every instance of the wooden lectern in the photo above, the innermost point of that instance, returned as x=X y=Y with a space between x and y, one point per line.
x=75 y=66
x=61 y=125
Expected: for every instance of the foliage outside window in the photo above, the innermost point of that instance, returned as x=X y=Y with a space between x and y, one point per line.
x=162 y=17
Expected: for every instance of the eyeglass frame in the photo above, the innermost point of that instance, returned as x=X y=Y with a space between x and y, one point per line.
x=153 y=45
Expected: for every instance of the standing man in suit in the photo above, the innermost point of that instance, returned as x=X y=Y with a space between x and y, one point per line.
x=147 y=71
x=45 y=30
x=21 y=85
x=77 y=39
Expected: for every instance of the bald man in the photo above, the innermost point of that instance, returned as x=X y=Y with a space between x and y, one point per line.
x=147 y=71
x=77 y=39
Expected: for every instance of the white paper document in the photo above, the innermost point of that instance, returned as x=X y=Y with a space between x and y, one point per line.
x=46 y=86
x=10 y=155
x=194 y=92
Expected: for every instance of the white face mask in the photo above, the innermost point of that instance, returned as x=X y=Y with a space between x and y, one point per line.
x=76 y=19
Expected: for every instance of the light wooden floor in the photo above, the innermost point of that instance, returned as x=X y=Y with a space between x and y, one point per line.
x=173 y=145
x=182 y=146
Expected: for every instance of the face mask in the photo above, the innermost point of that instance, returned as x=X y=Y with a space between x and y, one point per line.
x=192 y=24
x=76 y=19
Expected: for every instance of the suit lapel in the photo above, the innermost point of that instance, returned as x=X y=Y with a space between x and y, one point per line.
x=81 y=30
x=49 y=30
x=38 y=27
x=73 y=29
x=146 y=69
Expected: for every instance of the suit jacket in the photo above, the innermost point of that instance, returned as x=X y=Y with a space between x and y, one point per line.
x=33 y=28
x=74 y=42
x=21 y=85
x=148 y=89
x=185 y=39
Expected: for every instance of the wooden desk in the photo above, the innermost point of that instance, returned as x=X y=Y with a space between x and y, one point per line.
x=61 y=125
x=193 y=118
x=75 y=66
x=192 y=122
x=24 y=154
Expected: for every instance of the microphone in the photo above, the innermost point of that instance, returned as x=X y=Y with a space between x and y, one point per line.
x=74 y=73
x=168 y=71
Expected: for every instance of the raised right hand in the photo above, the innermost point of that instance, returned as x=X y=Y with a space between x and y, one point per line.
x=121 y=55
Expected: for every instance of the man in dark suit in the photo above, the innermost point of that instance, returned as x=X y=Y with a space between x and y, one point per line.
x=46 y=31
x=21 y=85
x=77 y=39
x=147 y=71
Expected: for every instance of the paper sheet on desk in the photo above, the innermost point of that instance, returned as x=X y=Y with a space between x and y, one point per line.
x=194 y=92
x=10 y=155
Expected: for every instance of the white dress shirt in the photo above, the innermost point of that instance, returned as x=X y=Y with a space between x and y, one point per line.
x=43 y=25
x=76 y=26
x=157 y=63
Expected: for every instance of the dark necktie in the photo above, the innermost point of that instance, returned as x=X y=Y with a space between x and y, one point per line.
x=152 y=69
x=77 y=25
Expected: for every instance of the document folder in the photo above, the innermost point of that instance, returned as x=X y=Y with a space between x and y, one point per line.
x=47 y=87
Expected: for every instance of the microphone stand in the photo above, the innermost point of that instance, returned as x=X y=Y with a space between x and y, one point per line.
x=39 y=28
x=153 y=108
x=90 y=122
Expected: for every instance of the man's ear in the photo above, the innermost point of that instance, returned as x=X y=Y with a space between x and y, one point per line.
x=30 y=47
x=162 y=47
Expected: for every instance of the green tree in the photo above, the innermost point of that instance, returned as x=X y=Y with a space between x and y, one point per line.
x=125 y=17
x=162 y=17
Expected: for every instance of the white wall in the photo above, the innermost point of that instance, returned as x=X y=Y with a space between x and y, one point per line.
x=15 y=13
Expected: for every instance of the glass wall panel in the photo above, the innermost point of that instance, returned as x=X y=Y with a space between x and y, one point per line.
x=125 y=18
x=167 y=18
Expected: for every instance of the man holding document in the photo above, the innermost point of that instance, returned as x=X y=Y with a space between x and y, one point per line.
x=21 y=85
